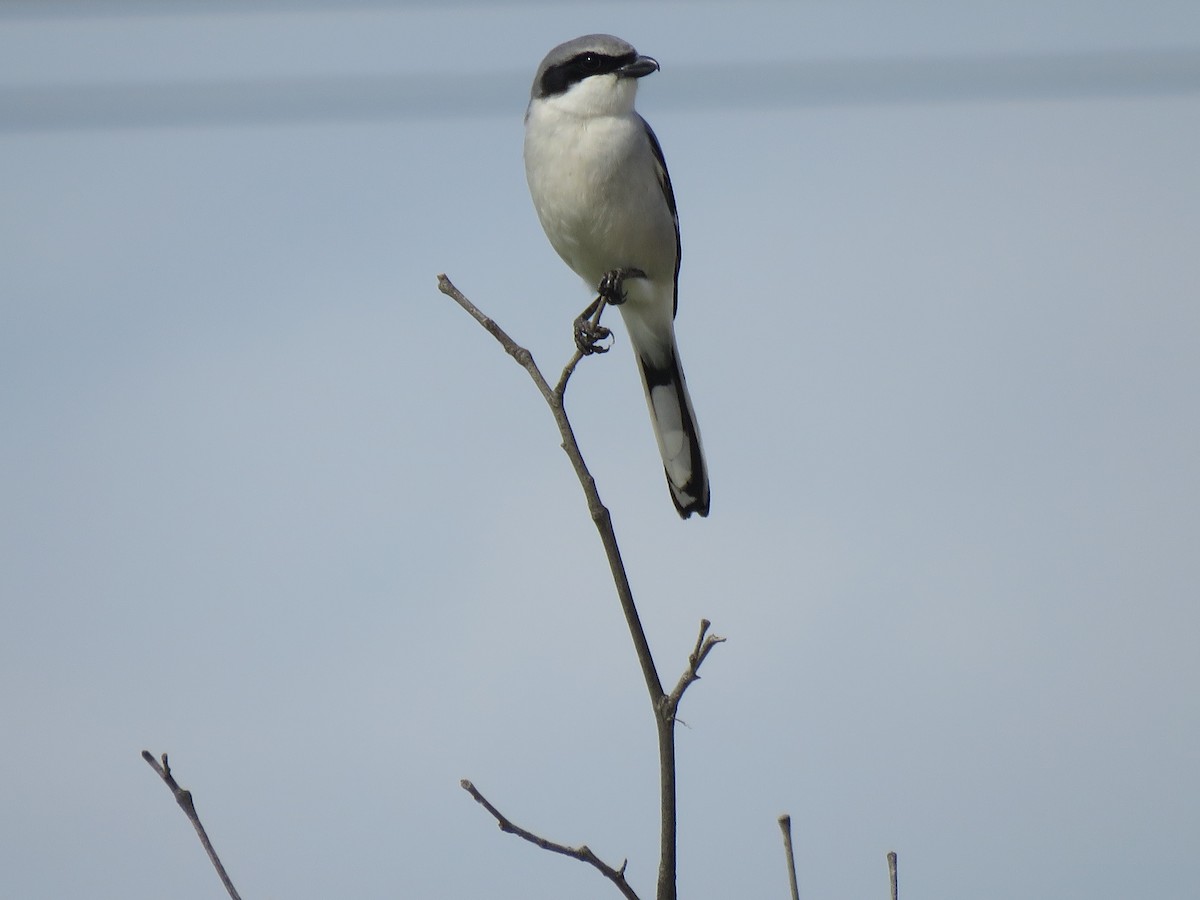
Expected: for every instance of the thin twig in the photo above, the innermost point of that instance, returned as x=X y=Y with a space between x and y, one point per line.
x=523 y=357
x=600 y=514
x=704 y=644
x=785 y=825
x=582 y=853
x=893 y=877
x=560 y=389
x=184 y=799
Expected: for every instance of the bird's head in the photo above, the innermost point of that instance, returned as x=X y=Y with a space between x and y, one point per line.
x=593 y=75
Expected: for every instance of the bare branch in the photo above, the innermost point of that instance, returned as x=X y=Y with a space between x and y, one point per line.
x=582 y=853
x=785 y=825
x=892 y=874
x=704 y=644
x=560 y=389
x=184 y=799
x=600 y=514
x=523 y=357
x=664 y=705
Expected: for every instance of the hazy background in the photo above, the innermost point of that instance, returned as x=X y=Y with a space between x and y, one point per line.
x=273 y=504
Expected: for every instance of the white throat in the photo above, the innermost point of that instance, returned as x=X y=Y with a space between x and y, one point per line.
x=594 y=97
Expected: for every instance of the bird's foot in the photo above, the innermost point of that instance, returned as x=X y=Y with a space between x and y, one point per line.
x=612 y=285
x=589 y=333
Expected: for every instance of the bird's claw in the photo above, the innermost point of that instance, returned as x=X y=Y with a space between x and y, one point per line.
x=589 y=335
x=612 y=285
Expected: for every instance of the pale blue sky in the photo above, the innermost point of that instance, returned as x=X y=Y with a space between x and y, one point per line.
x=273 y=504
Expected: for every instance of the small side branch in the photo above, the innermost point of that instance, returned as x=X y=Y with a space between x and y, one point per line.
x=582 y=853
x=704 y=644
x=184 y=799
x=892 y=874
x=785 y=825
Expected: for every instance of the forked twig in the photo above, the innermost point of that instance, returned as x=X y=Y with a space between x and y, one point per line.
x=704 y=644
x=583 y=853
x=664 y=705
x=184 y=799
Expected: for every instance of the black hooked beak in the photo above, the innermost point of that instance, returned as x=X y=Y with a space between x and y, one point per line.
x=643 y=65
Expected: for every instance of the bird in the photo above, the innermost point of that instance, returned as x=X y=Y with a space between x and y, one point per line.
x=601 y=190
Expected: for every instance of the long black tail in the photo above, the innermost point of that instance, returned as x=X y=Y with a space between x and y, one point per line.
x=675 y=428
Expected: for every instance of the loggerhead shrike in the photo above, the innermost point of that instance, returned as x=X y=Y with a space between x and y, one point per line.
x=602 y=193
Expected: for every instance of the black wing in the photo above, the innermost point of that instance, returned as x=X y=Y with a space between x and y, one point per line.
x=664 y=182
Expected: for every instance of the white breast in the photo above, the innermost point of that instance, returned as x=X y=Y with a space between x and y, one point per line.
x=594 y=186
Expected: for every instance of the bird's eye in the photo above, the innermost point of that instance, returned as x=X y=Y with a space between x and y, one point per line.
x=589 y=62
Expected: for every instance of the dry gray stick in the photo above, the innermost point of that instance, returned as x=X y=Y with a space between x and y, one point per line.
x=665 y=705
x=892 y=876
x=582 y=853
x=184 y=799
x=785 y=825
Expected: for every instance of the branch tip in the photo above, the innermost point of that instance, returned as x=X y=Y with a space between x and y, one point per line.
x=184 y=798
x=785 y=825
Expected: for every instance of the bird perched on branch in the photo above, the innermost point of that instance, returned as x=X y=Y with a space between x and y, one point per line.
x=602 y=193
